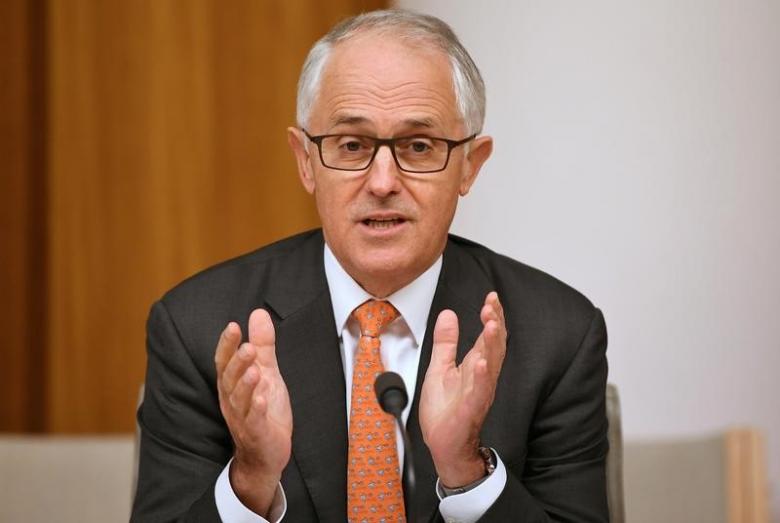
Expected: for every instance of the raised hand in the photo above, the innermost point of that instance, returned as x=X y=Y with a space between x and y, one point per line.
x=254 y=401
x=455 y=399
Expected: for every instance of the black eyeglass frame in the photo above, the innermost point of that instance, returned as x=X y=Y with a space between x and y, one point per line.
x=389 y=142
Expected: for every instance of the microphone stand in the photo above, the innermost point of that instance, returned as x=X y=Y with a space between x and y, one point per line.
x=392 y=398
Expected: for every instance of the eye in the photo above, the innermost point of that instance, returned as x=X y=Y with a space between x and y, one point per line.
x=420 y=147
x=415 y=145
x=352 y=144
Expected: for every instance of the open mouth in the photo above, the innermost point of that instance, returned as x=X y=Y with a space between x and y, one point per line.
x=383 y=223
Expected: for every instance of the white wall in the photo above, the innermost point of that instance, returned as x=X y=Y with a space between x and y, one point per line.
x=638 y=158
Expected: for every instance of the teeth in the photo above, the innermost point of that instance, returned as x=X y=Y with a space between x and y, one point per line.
x=383 y=224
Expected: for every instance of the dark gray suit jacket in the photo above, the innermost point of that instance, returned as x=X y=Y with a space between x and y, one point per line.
x=548 y=422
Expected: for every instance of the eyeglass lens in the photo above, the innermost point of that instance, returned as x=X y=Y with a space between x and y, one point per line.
x=414 y=154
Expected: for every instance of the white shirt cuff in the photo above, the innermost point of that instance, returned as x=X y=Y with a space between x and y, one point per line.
x=231 y=510
x=472 y=505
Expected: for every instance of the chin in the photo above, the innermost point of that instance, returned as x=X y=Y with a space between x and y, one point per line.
x=385 y=266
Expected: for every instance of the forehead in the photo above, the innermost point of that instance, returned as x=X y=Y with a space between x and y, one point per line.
x=384 y=83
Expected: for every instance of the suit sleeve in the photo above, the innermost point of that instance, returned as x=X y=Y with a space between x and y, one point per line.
x=563 y=477
x=184 y=441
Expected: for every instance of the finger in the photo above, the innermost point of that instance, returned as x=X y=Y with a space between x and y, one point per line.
x=445 y=340
x=263 y=336
x=227 y=346
x=500 y=308
x=258 y=408
x=241 y=396
x=241 y=360
x=491 y=337
x=487 y=313
x=261 y=328
x=492 y=308
x=494 y=338
x=475 y=355
x=481 y=386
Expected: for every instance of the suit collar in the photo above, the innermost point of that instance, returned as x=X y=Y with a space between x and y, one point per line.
x=299 y=276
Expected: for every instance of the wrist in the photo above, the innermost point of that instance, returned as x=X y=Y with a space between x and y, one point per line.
x=458 y=472
x=254 y=488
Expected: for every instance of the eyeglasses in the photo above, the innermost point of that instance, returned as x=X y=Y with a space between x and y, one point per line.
x=412 y=154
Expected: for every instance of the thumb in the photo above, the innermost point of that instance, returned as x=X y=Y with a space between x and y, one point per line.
x=445 y=340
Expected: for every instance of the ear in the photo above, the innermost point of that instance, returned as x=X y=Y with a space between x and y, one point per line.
x=297 y=141
x=479 y=151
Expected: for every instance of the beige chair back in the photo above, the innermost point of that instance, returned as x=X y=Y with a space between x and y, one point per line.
x=67 y=479
x=715 y=479
x=617 y=513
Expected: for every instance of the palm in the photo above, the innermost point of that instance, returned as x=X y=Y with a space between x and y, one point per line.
x=448 y=403
x=253 y=396
x=256 y=406
x=455 y=399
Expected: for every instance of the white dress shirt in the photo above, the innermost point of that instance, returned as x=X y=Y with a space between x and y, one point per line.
x=400 y=352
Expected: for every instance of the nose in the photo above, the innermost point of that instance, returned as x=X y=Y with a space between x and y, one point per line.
x=383 y=177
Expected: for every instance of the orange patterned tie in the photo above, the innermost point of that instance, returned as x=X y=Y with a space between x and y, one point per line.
x=374 y=493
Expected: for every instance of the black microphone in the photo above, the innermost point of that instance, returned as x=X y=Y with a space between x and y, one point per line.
x=391 y=396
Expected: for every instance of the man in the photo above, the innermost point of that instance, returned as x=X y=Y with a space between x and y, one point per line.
x=505 y=365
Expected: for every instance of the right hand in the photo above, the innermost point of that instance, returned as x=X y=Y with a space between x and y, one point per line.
x=254 y=401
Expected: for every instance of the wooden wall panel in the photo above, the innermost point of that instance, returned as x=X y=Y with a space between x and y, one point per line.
x=13 y=192
x=22 y=217
x=167 y=153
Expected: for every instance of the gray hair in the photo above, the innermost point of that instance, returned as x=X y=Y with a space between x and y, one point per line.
x=407 y=25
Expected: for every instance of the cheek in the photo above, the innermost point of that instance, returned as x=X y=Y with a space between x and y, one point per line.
x=437 y=202
x=445 y=211
x=333 y=201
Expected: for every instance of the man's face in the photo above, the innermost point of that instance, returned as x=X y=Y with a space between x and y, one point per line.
x=386 y=226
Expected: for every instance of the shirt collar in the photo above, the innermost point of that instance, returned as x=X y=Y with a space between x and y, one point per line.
x=413 y=301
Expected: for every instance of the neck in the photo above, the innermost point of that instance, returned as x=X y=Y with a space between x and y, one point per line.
x=381 y=284
x=382 y=287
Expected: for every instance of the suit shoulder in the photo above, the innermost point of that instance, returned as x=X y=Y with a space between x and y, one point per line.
x=233 y=274
x=517 y=281
x=546 y=318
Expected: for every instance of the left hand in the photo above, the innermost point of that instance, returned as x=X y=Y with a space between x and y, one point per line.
x=455 y=399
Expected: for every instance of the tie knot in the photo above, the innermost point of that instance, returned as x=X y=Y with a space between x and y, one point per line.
x=373 y=316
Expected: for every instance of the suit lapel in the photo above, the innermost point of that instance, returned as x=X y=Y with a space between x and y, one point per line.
x=462 y=288
x=310 y=362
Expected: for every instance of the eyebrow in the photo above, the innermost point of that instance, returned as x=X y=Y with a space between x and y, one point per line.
x=419 y=122
x=349 y=120
x=414 y=123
